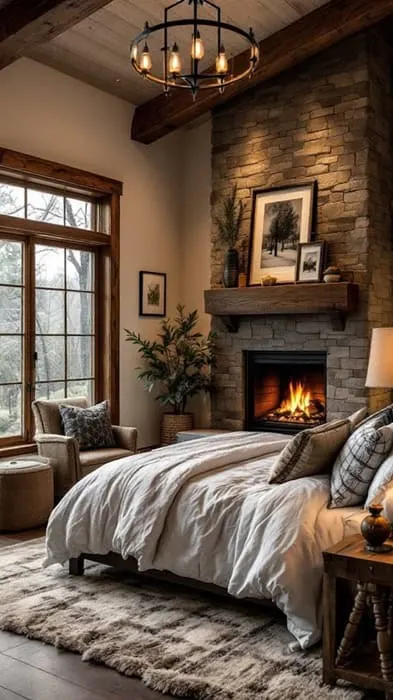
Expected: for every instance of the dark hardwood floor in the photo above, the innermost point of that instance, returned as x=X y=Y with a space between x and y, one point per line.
x=31 y=670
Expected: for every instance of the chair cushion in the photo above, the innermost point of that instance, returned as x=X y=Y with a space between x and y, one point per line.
x=92 y=459
x=47 y=415
x=310 y=452
x=90 y=426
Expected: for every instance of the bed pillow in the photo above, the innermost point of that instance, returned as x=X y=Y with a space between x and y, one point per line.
x=310 y=452
x=381 y=483
x=358 y=417
x=384 y=417
x=90 y=426
x=358 y=461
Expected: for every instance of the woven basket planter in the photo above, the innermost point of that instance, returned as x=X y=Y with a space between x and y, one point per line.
x=171 y=424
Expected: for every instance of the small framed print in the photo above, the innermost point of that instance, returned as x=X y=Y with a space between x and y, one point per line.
x=152 y=293
x=310 y=261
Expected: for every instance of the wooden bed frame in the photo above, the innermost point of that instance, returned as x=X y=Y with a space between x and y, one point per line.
x=77 y=567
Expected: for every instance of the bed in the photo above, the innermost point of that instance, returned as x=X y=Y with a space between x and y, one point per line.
x=203 y=511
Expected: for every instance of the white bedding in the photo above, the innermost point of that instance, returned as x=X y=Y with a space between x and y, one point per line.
x=203 y=509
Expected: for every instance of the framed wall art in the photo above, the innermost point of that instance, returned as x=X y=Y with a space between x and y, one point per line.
x=282 y=217
x=310 y=261
x=152 y=293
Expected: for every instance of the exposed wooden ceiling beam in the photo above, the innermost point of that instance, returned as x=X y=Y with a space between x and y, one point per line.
x=26 y=23
x=304 y=38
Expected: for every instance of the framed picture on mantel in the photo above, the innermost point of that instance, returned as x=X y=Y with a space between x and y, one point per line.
x=282 y=217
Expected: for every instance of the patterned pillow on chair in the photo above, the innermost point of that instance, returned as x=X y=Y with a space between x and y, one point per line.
x=359 y=459
x=90 y=426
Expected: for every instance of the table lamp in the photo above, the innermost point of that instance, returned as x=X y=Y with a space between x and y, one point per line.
x=380 y=364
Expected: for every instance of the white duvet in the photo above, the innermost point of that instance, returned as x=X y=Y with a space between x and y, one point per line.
x=203 y=509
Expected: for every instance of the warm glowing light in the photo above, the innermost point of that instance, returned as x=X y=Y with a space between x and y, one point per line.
x=222 y=62
x=174 y=66
x=299 y=400
x=197 y=47
x=145 y=63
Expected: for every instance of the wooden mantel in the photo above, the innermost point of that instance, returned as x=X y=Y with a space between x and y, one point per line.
x=337 y=299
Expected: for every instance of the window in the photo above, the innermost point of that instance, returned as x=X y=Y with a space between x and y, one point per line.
x=50 y=207
x=59 y=260
x=12 y=338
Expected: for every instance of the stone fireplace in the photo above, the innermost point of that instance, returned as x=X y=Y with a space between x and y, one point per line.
x=328 y=120
x=285 y=391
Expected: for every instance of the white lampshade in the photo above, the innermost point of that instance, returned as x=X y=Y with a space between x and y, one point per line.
x=380 y=364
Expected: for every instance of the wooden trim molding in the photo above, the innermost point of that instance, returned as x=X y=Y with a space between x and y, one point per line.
x=311 y=34
x=65 y=175
x=26 y=23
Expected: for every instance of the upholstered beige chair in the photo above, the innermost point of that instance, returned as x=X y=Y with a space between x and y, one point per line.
x=69 y=464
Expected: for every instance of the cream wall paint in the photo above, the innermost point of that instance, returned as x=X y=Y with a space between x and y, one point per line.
x=195 y=233
x=48 y=114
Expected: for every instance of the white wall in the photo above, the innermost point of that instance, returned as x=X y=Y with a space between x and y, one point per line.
x=195 y=233
x=48 y=114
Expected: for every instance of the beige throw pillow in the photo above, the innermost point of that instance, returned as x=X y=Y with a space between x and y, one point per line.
x=310 y=452
x=358 y=417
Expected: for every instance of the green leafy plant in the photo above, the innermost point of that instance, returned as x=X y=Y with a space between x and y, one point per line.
x=179 y=362
x=229 y=219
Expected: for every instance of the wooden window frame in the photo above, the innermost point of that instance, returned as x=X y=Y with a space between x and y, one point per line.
x=28 y=170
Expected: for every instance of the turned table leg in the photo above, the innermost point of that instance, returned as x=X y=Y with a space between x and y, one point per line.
x=383 y=639
x=348 y=641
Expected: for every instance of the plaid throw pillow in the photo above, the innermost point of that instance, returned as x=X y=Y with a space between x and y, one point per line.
x=310 y=452
x=359 y=459
x=90 y=426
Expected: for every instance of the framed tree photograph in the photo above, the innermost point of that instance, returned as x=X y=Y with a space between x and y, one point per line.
x=282 y=217
x=310 y=261
x=152 y=293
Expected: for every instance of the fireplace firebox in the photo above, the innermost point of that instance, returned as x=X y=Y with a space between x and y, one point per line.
x=285 y=391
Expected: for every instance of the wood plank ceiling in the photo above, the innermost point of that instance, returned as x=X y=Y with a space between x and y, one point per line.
x=97 y=49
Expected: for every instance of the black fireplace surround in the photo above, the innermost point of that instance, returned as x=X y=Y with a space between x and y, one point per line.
x=275 y=380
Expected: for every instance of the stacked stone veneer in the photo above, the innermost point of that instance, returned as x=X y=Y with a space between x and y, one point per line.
x=329 y=120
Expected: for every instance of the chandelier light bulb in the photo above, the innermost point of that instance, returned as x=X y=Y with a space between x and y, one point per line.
x=197 y=47
x=222 y=66
x=145 y=63
x=174 y=66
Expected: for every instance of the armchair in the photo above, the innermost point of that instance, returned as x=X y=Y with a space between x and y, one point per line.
x=68 y=462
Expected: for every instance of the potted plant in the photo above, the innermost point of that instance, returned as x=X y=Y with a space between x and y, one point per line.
x=178 y=363
x=228 y=221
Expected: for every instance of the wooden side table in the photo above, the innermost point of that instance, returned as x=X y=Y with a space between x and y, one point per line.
x=345 y=654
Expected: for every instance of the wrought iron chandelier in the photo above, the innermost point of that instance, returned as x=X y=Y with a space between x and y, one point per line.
x=194 y=79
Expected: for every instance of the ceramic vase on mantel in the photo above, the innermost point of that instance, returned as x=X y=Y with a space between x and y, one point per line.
x=231 y=268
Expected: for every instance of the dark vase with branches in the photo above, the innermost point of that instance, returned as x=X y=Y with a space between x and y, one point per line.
x=228 y=221
x=178 y=365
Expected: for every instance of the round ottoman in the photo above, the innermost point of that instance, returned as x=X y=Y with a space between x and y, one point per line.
x=26 y=493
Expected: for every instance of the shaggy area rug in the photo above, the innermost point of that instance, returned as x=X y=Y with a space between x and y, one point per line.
x=179 y=642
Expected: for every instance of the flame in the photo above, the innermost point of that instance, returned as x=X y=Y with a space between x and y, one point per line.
x=299 y=400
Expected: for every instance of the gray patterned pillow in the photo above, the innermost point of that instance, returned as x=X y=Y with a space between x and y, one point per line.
x=310 y=452
x=90 y=426
x=358 y=461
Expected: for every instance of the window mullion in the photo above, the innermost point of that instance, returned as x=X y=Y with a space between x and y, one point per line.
x=65 y=326
x=29 y=336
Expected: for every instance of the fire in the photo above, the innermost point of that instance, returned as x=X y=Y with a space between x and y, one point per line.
x=298 y=402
